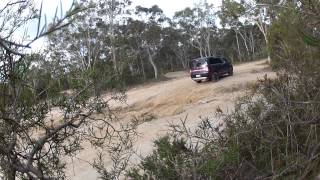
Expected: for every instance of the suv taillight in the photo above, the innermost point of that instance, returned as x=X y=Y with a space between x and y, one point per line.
x=205 y=68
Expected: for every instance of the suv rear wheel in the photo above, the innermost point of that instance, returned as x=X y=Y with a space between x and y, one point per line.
x=215 y=77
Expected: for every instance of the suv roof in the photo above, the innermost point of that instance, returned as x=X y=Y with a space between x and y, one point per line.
x=217 y=56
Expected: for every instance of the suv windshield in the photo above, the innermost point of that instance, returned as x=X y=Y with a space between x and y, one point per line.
x=196 y=63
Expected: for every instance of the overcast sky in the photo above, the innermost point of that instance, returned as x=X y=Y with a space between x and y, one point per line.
x=168 y=6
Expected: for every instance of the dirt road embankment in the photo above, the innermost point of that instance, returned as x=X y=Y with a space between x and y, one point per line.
x=170 y=101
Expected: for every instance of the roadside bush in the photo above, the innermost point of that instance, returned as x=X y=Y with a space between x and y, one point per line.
x=273 y=133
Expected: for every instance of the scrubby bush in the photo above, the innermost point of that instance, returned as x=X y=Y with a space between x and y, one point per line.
x=273 y=133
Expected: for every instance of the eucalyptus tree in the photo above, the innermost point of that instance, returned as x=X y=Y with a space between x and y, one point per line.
x=152 y=36
x=112 y=13
x=199 y=24
x=89 y=44
x=259 y=12
x=93 y=32
x=177 y=48
x=133 y=35
x=77 y=48
x=244 y=18
x=229 y=15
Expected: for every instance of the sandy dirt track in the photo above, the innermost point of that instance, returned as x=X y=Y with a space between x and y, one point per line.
x=169 y=102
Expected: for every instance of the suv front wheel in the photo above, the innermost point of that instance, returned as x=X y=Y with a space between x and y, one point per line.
x=230 y=72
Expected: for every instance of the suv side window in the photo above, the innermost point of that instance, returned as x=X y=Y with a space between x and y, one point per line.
x=224 y=60
x=215 y=60
x=210 y=60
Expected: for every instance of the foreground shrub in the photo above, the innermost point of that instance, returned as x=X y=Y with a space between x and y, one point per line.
x=273 y=133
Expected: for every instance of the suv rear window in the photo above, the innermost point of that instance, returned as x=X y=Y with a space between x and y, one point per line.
x=196 y=63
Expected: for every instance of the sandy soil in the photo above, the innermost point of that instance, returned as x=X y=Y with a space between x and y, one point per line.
x=169 y=102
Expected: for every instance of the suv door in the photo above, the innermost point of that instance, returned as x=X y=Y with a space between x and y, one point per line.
x=216 y=65
x=225 y=66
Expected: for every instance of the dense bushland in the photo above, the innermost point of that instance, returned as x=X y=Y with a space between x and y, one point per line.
x=126 y=46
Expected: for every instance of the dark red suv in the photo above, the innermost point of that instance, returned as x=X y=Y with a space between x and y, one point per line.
x=209 y=68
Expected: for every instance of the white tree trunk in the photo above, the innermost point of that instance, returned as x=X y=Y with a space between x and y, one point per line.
x=264 y=30
x=154 y=66
x=208 y=44
x=239 y=52
x=252 y=42
x=143 y=71
x=198 y=46
x=112 y=35
x=245 y=43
